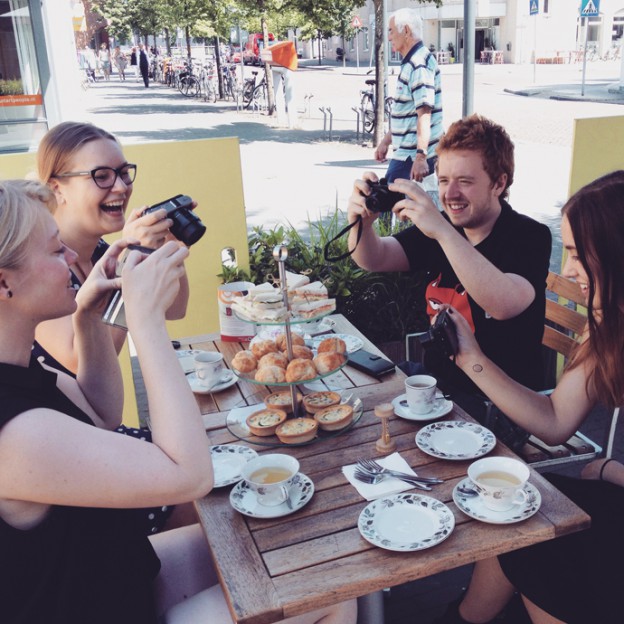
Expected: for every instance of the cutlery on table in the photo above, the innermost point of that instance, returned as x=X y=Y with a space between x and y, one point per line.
x=374 y=479
x=374 y=467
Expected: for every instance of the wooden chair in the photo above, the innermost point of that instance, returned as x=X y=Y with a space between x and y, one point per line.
x=565 y=320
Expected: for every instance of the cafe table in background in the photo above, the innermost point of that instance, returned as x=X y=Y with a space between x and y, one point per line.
x=273 y=568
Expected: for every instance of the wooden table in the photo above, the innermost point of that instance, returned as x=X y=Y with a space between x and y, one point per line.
x=272 y=569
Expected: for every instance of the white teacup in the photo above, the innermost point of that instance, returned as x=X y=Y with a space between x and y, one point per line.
x=420 y=393
x=499 y=481
x=270 y=476
x=210 y=369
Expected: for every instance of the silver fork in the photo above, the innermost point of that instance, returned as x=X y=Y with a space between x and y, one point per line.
x=374 y=479
x=370 y=465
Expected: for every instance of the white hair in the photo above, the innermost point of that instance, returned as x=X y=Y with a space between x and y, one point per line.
x=408 y=17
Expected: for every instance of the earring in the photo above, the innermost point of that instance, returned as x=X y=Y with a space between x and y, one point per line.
x=9 y=294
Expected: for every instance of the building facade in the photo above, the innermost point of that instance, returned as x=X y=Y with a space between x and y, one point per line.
x=507 y=26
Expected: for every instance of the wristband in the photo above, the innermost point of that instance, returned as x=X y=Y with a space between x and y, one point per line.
x=602 y=468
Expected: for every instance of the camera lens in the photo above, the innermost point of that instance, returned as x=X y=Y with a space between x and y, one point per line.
x=187 y=226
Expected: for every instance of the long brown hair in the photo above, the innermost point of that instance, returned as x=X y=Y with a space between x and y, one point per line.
x=596 y=217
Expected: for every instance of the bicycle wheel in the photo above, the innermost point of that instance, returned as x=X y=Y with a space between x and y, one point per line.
x=260 y=97
x=190 y=87
x=248 y=90
x=368 y=113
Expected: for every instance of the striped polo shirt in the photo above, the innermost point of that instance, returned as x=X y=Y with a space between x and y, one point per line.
x=419 y=83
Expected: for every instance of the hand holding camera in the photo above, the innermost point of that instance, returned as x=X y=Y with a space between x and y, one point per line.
x=179 y=221
x=441 y=339
x=381 y=198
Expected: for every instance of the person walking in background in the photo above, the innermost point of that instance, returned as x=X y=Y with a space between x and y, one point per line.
x=144 y=65
x=121 y=62
x=284 y=63
x=104 y=57
x=416 y=120
x=134 y=62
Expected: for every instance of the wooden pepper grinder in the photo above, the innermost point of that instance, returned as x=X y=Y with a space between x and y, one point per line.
x=385 y=444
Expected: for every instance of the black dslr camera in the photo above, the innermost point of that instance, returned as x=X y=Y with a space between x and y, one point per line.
x=187 y=226
x=442 y=337
x=381 y=199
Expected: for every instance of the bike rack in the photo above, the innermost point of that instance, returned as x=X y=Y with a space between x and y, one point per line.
x=327 y=111
x=357 y=122
x=306 y=103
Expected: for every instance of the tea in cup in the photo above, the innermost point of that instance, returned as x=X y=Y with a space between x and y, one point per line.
x=420 y=393
x=270 y=477
x=499 y=482
x=210 y=369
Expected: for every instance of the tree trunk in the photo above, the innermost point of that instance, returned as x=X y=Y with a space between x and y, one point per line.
x=187 y=32
x=320 y=46
x=168 y=40
x=380 y=65
x=268 y=72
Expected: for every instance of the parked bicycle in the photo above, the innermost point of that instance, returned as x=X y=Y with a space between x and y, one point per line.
x=230 y=86
x=255 y=94
x=368 y=107
x=208 y=86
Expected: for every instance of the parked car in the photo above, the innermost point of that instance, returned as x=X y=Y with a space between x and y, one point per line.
x=253 y=47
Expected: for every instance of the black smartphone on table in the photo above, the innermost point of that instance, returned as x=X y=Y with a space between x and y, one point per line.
x=370 y=363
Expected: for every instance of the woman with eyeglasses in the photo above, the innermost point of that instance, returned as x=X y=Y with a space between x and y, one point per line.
x=71 y=550
x=92 y=180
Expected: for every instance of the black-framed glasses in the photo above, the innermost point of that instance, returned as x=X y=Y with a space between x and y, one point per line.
x=105 y=177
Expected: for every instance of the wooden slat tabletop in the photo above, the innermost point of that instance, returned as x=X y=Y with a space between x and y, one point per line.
x=276 y=568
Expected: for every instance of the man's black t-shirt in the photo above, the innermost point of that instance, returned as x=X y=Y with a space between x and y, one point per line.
x=517 y=244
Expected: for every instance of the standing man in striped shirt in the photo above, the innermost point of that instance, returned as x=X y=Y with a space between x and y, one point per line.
x=416 y=125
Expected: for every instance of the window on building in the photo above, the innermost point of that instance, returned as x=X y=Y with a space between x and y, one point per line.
x=21 y=99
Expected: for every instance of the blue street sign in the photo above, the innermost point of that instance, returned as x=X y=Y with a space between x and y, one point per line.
x=590 y=8
x=533 y=7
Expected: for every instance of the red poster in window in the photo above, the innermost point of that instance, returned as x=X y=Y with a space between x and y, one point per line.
x=21 y=100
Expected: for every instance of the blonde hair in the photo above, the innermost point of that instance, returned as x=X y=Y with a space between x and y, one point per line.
x=60 y=143
x=22 y=204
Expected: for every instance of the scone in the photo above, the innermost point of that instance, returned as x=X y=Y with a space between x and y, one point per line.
x=281 y=400
x=301 y=351
x=300 y=370
x=297 y=430
x=327 y=362
x=333 y=343
x=244 y=362
x=262 y=347
x=264 y=422
x=270 y=374
x=296 y=339
x=273 y=359
x=317 y=401
x=335 y=417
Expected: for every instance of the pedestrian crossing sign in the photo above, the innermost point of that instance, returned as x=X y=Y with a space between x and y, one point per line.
x=590 y=8
x=533 y=7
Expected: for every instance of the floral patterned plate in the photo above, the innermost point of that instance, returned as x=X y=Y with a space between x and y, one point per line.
x=228 y=461
x=406 y=522
x=455 y=439
x=245 y=502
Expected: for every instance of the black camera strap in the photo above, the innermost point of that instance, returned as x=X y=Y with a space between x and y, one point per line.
x=358 y=222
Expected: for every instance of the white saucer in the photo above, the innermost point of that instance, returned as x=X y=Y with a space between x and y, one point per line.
x=473 y=507
x=186 y=357
x=228 y=461
x=244 y=500
x=455 y=439
x=198 y=388
x=353 y=343
x=441 y=408
x=319 y=327
x=406 y=522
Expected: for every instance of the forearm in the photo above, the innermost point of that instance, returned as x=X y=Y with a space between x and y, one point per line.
x=423 y=128
x=531 y=410
x=98 y=372
x=485 y=283
x=376 y=253
x=177 y=310
x=176 y=421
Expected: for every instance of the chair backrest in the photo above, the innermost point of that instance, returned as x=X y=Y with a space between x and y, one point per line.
x=565 y=320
